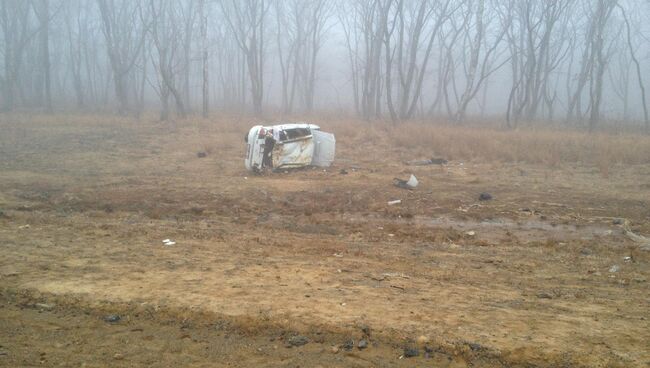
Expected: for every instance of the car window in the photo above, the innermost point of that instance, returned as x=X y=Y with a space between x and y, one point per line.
x=295 y=133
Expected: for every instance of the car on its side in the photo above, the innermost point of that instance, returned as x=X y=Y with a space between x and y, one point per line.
x=292 y=145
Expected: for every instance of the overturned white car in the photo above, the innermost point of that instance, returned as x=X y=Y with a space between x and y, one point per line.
x=288 y=146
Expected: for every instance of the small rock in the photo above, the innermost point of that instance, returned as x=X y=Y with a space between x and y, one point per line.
x=112 y=318
x=585 y=251
x=614 y=268
x=470 y=233
x=476 y=346
x=44 y=306
x=627 y=259
x=343 y=172
x=298 y=340
x=348 y=345
x=485 y=196
x=618 y=221
x=410 y=352
x=363 y=343
x=366 y=330
x=201 y=154
x=118 y=356
x=334 y=350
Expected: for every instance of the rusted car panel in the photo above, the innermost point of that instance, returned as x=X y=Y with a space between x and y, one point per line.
x=288 y=146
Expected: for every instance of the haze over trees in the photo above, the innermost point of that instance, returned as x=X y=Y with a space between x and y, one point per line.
x=574 y=62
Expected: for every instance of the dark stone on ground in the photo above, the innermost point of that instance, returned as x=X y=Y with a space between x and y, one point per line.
x=343 y=172
x=298 y=340
x=476 y=346
x=618 y=221
x=112 y=318
x=363 y=344
x=201 y=154
x=410 y=352
x=485 y=196
x=366 y=330
x=348 y=345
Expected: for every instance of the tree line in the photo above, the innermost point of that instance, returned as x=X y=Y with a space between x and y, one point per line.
x=572 y=61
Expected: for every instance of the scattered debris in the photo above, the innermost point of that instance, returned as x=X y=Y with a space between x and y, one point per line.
x=118 y=356
x=485 y=196
x=431 y=161
x=24 y=226
x=410 y=352
x=627 y=259
x=397 y=201
x=343 y=172
x=470 y=233
x=334 y=349
x=201 y=154
x=411 y=183
x=348 y=344
x=476 y=346
x=618 y=221
x=366 y=330
x=363 y=343
x=298 y=340
x=169 y=242
x=44 y=306
x=112 y=318
x=614 y=268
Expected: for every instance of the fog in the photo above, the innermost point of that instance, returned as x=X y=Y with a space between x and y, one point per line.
x=578 y=62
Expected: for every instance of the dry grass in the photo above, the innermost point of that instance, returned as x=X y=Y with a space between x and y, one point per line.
x=527 y=145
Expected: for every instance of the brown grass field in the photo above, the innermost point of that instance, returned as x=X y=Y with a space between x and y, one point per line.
x=548 y=273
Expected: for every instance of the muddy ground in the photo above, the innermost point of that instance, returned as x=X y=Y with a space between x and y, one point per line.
x=541 y=275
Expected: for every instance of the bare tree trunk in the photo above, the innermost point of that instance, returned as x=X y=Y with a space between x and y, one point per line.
x=204 y=60
x=637 y=66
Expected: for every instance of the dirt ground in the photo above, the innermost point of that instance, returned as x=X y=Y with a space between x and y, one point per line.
x=298 y=268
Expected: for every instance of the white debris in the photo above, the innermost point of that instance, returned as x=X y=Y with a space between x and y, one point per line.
x=397 y=201
x=412 y=182
x=471 y=233
x=614 y=268
x=169 y=242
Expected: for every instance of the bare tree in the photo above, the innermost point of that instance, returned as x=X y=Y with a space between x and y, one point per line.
x=414 y=31
x=247 y=21
x=124 y=34
x=167 y=34
x=632 y=49
x=17 y=29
